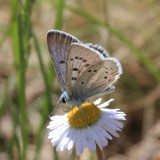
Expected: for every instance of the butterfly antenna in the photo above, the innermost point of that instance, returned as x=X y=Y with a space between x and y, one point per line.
x=56 y=106
x=50 y=115
x=41 y=98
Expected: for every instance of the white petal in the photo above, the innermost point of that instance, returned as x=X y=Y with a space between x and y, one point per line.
x=57 y=139
x=57 y=121
x=98 y=101
x=120 y=117
x=111 y=125
x=65 y=140
x=90 y=141
x=70 y=151
x=84 y=138
x=91 y=144
x=95 y=136
x=56 y=117
x=108 y=113
x=57 y=132
x=72 y=140
x=105 y=104
x=101 y=137
x=59 y=118
x=79 y=144
x=104 y=132
x=116 y=123
x=113 y=132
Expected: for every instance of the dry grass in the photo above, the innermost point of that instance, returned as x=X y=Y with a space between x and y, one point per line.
x=137 y=92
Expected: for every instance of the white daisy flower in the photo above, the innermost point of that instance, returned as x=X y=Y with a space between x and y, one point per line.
x=91 y=125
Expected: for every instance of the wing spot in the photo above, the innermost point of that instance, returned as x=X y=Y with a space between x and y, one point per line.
x=76 y=57
x=80 y=58
x=95 y=70
x=74 y=78
x=87 y=65
x=106 y=72
x=106 y=68
x=82 y=82
x=62 y=62
x=75 y=69
x=90 y=70
x=71 y=59
x=105 y=77
x=84 y=60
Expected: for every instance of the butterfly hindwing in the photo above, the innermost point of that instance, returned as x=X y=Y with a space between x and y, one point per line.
x=59 y=43
x=98 y=78
x=80 y=58
x=98 y=48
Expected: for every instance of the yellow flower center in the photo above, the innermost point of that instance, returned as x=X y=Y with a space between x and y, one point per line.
x=87 y=114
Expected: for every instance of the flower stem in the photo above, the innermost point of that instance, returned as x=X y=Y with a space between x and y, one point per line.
x=99 y=153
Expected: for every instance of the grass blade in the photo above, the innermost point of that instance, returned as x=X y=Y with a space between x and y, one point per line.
x=59 y=14
x=141 y=55
x=47 y=107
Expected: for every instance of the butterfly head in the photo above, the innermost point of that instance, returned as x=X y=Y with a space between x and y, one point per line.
x=63 y=98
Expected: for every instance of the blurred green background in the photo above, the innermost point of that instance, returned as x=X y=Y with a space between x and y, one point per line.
x=128 y=30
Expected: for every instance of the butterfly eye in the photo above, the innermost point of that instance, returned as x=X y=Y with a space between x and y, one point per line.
x=63 y=100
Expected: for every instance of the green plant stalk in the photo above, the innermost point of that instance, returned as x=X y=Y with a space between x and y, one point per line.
x=154 y=7
x=45 y=114
x=14 y=141
x=47 y=107
x=141 y=55
x=44 y=73
x=60 y=5
x=59 y=14
x=58 y=25
x=18 y=47
x=27 y=27
x=4 y=98
x=48 y=80
x=18 y=146
x=5 y=35
x=21 y=33
x=7 y=103
x=21 y=83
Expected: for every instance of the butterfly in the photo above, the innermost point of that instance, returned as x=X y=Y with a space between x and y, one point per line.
x=83 y=70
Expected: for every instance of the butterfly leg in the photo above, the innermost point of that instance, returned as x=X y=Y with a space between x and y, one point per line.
x=82 y=112
x=63 y=108
x=72 y=112
x=54 y=109
x=51 y=114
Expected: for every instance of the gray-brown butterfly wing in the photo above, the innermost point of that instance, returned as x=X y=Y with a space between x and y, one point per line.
x=59 y=43
x=98 y=48
x=97 y=79
x=105 y=54
x=80 y=58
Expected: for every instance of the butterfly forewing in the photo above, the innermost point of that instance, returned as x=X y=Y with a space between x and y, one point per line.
x=80 y=58
x=59 y=43
x=98 y=78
